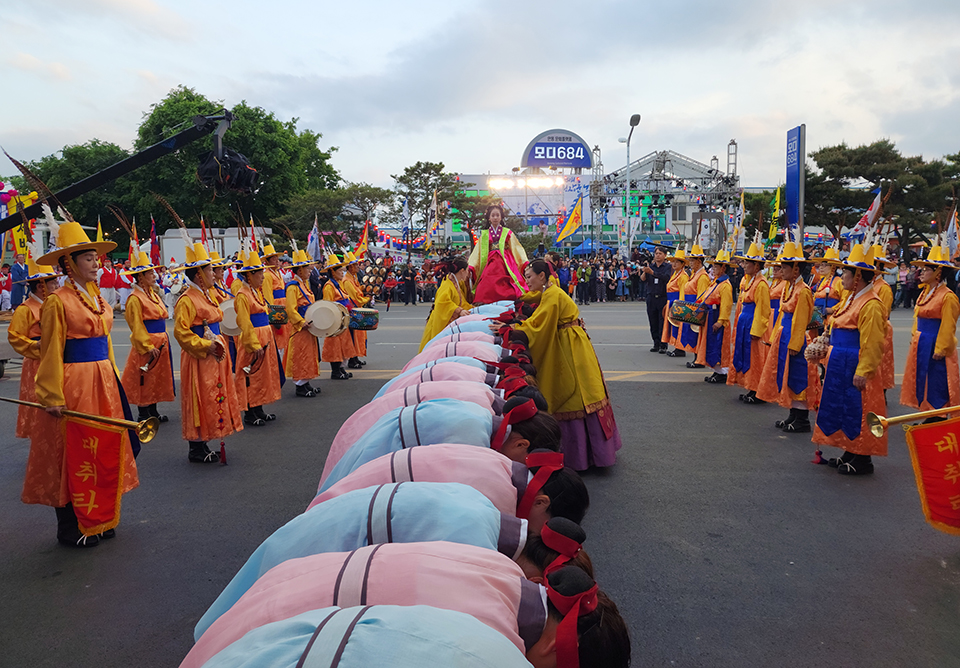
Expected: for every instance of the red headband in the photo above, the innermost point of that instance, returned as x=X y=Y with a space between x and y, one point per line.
x=511 y=385
x=518 y=413
x=572 y=608
x=504 y=331
x=548 y=462
x=566 y=546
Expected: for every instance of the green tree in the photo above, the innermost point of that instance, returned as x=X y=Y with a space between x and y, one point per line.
x=416 y=186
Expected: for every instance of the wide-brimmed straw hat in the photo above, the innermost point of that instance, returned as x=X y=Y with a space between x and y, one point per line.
x=72 y=239
x=141 y=265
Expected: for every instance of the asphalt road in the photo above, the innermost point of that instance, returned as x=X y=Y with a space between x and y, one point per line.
x=721 y=543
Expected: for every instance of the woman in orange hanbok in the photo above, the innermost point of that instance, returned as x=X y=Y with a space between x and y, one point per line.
x=80 y=472
x=24 y=337
x=208 y=395
x=750 y=323
x=337 y=349
x=885 y=294
x=274 y=291
x=220 y=292
x=671 y=332
x=787 y=377
x=698 y=282
x=302 y=361
x=148 y=375
x=852 y=385
x=777 y=284
x=713 y=344
x=352 y=287
x=258 y=373
x=931 y=378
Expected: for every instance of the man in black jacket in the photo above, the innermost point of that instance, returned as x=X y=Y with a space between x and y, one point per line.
x=655 y=276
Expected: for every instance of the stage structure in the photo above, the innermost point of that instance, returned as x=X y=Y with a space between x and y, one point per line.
x=671 y=191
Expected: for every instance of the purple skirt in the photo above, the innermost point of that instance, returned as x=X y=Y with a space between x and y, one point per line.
x=584 y=444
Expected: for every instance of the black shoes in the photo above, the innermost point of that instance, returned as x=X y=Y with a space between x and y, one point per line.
x=716 y=378
x=663 y=350
x=68 y=532
x=677 y=353
x=694 y=365
x=797 y=423
x=655 y=349
x=337 y=372
x=306 y=390
x=152 y=409
x=854 y=464
x=751 y=398
x=356 y=363
x=201 y=454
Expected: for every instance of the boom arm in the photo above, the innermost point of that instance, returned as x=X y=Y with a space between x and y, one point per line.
x=202 y=126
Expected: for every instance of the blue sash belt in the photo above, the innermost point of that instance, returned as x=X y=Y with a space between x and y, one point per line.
x=279 y=294
x=672 y=297
x=714 y=338
x=259 y=319
x=744 y=343
x=214 y=327
x=841 y=404
x=302 y=310
x=155 y=326
x=774 y=311
x=931 y=373
x=797 y=375
x=93 y=349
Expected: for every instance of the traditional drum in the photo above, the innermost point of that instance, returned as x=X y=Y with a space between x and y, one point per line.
x=689 y=312
x=229 y=324
x=364 y=318
x=277 y=314
x=326 y=319
x=816 y=319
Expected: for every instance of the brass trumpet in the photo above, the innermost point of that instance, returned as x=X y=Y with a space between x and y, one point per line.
x=878 y=423
x=146 y=429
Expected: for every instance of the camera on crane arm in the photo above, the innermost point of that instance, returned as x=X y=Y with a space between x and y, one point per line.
x=225 y=169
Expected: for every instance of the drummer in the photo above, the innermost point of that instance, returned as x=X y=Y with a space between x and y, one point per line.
x=337 y=349
x=302 y=361
x=258 y=375
x=713 y=344
x=148 y=375
x=698 y=282
x=351 y=285
x=675 y=286
x=274 y=291
x=750 y=323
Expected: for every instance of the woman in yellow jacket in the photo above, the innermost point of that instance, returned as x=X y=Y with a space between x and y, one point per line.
x=148 y=375
x=258 y=375
x=750 y=324
x=450 y=301
x=675 y=286
x=351 y=284
x=24 y=337
x=302 y=360
x=337 y=349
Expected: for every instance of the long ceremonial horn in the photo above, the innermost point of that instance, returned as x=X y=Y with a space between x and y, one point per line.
x=879 y=423
x=146 y=429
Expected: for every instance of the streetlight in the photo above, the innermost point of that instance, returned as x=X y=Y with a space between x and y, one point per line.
x=634 y=122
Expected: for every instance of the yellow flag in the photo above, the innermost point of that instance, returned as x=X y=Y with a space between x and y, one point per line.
x=20 y=239
x=776 y=216
x=574 y=221
x=99 y=230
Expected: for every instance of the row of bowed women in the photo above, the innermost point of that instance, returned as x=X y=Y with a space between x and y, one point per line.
x=446 y=526
x=826 y=345
x=63 y=333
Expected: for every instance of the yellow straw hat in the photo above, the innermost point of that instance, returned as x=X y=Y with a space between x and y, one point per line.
x=939 y=256
x=269 y=251
x=141 y=265
x=250 y=261
x=679 y=256
x=723 y=257
x=333 y=262
x=72 y=239
x=37 y=272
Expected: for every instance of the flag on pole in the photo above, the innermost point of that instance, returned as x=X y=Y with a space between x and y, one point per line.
x=361 y=248
x=935 y=453
x=94 y=451
x=952 y=241
x=869 y=218
x=574 y=221
x=253 y=237
x=432 y=214
x=20 y=240
x=133 y=253
x=775 y=219
x=155 y=258
x=314 y=241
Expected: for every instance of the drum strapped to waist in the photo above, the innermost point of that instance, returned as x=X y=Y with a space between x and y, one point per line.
x=692 y=313
x=364 y=318
x=816 y=319
x=277 y=314
x=229 y=324
x=325 y=319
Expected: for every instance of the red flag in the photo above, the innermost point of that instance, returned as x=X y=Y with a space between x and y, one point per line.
x=154 y=243
x=935 y=452
x=94 y=464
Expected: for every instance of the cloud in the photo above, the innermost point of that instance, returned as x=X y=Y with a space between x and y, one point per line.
x=26 y=62
x=144 y=16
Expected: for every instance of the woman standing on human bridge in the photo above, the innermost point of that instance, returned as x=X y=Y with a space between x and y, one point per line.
x=497 y=260
x=569 y=374
x=451 y=300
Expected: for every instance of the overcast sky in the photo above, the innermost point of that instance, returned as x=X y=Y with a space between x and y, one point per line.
x=470 y=83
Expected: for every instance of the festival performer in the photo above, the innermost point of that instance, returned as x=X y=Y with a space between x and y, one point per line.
x=274 y=292
x=337 y=349
x=827 y=287
x=220 y=292
x=23 y=335
x=750 y=325
x=675 y=286
x=77 y=372
x=351 y=286
x=698 y=282
x=302 y=361
x=877 y=254
x=488 y=352
x=208 y=394
x=569 y=374
x=451 y=300
x=777 y=284
x=148 y=375
x=787 y=377
x=497 y=259
x=931 y=378
x=258 y=374
x=852 y=384
x=713 y=344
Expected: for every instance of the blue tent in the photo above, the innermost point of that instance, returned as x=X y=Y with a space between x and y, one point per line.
x=588 y=246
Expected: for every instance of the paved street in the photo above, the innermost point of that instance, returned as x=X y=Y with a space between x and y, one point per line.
x=719 y=540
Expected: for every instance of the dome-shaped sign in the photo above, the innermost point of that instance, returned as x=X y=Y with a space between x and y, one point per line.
x=557 y=148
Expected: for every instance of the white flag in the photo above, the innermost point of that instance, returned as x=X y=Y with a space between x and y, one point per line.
x=952 y=239
x=866 y=222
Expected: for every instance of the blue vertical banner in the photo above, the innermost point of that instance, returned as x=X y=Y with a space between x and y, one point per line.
x=796 y=160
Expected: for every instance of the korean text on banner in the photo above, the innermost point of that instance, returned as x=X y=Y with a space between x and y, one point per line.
x=94 y=465
x=796 y=173
x=935 y=452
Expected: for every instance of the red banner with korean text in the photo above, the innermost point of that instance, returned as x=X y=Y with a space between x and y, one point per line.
x=935 y=452
x=94 y=466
